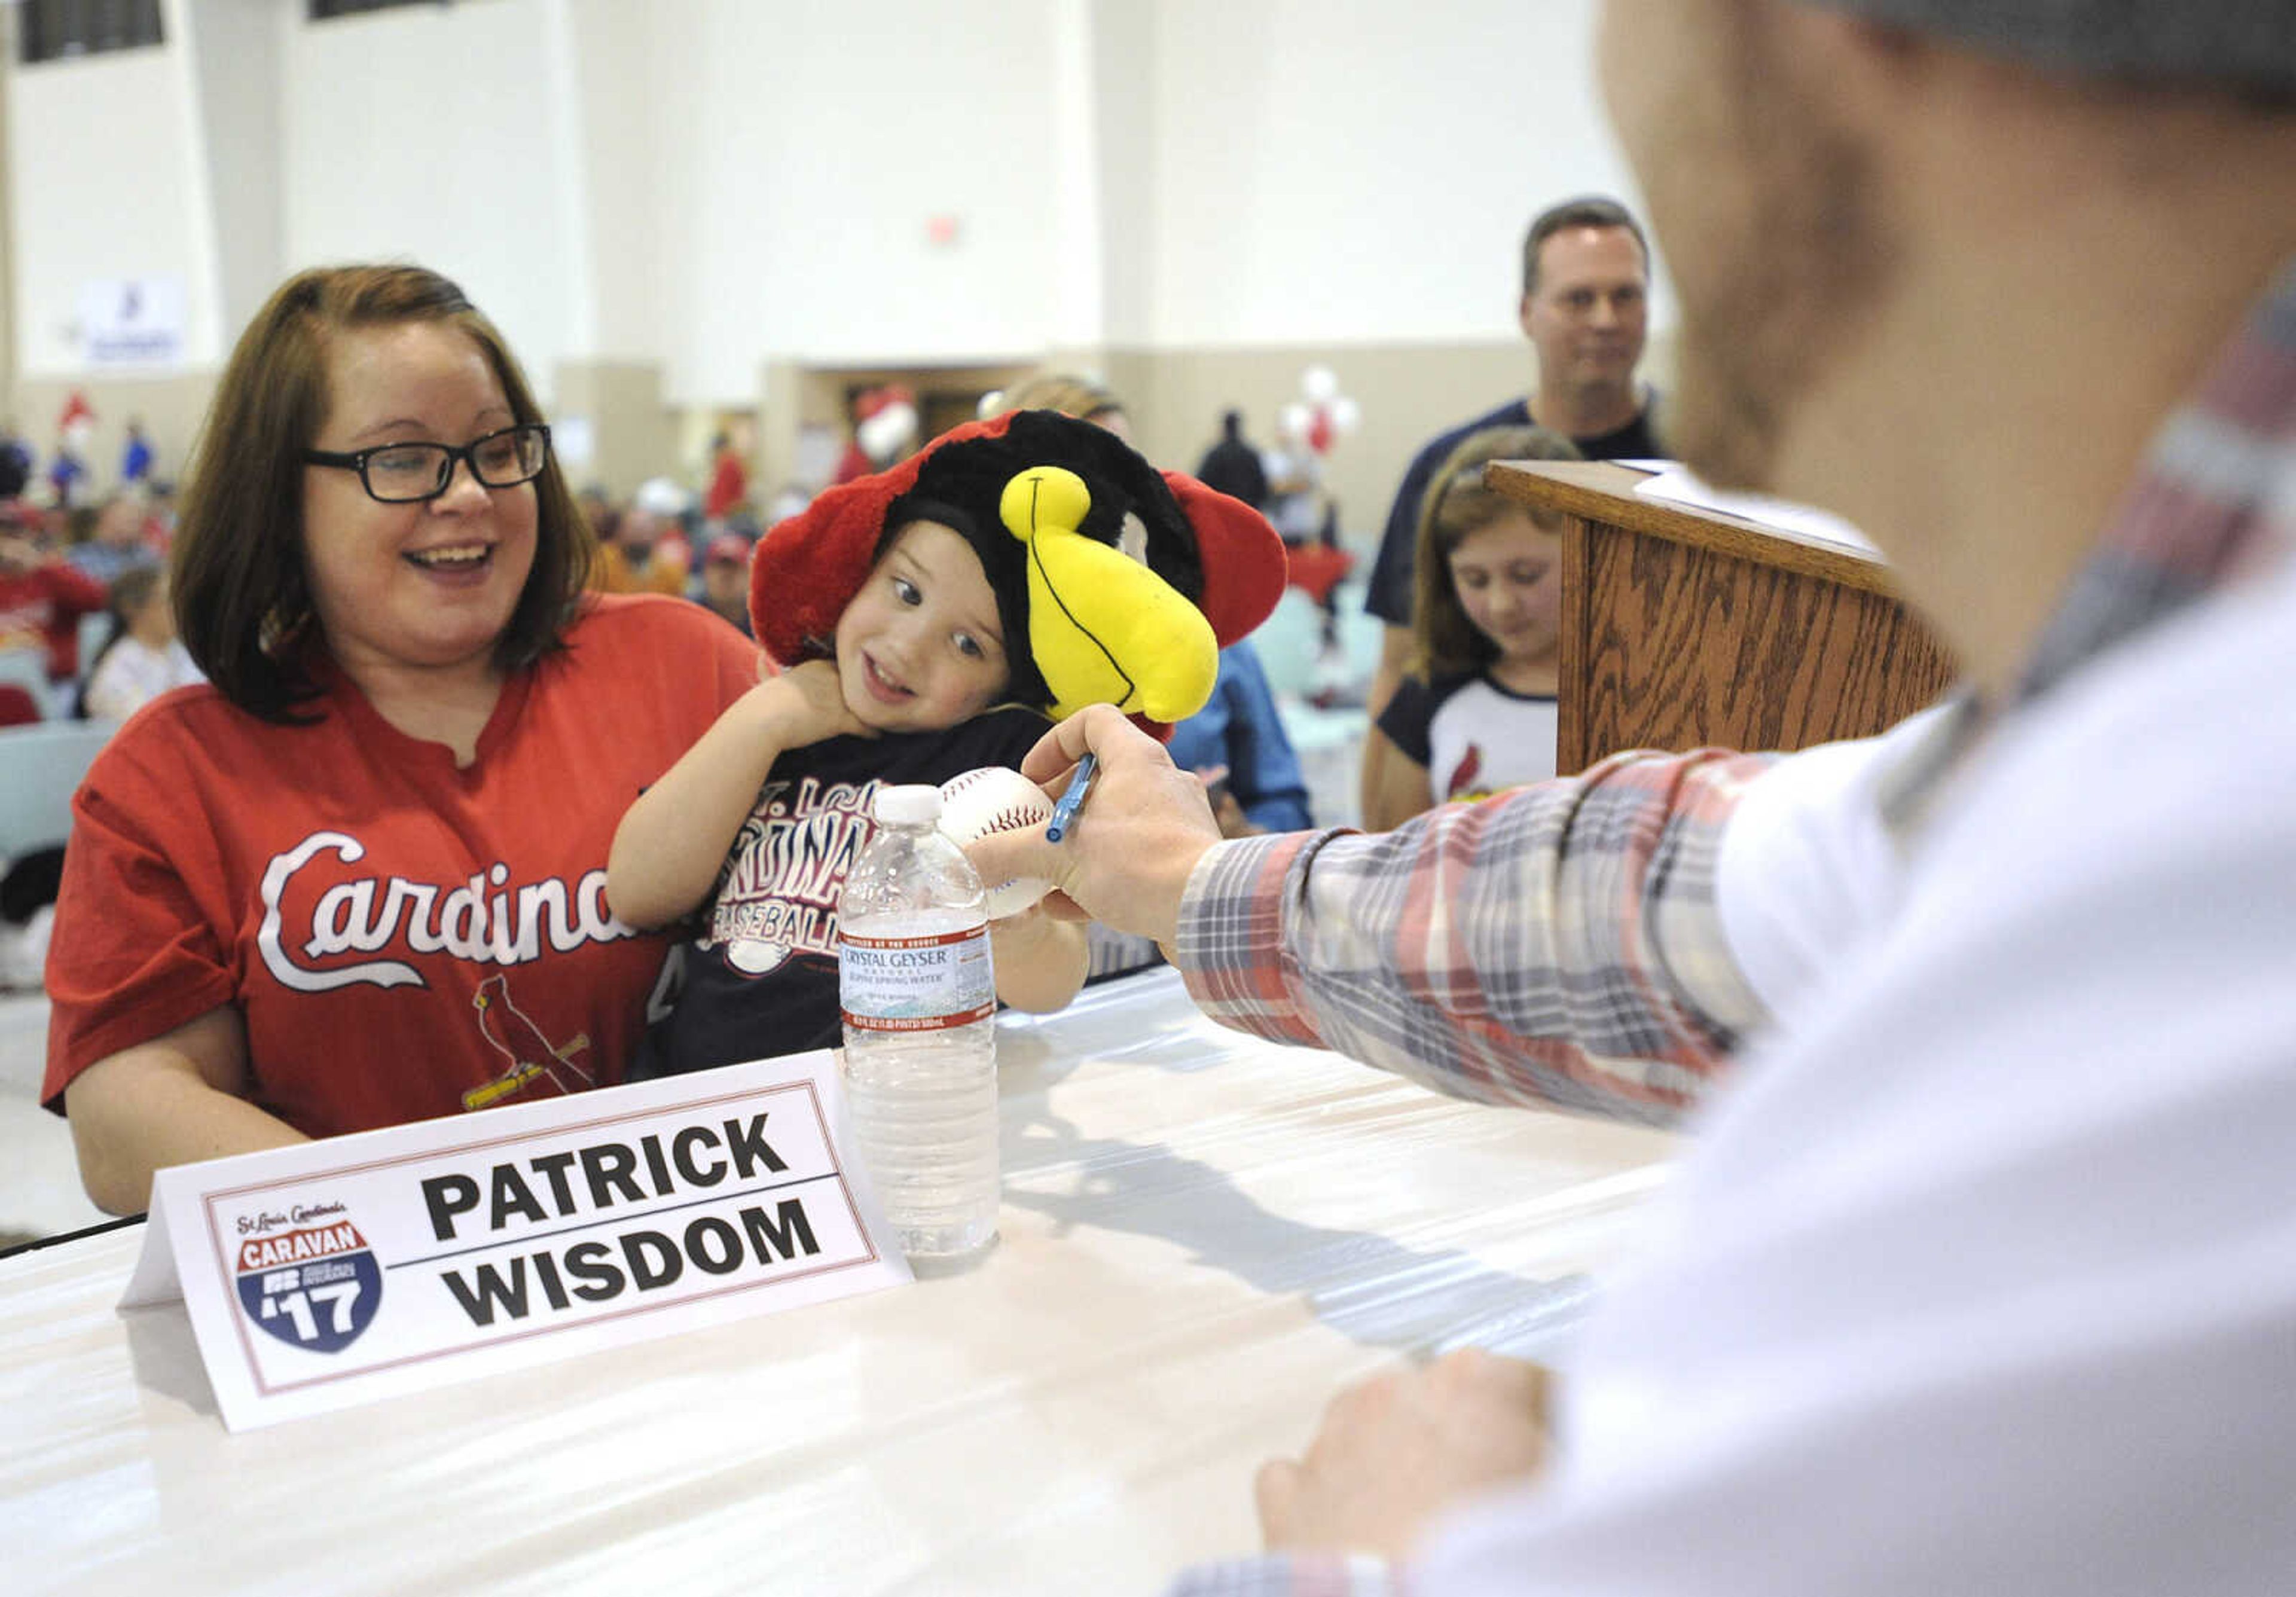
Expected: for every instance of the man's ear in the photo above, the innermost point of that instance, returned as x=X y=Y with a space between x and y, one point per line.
x=1522 y=314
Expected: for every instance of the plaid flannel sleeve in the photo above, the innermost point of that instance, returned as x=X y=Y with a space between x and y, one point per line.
x=1559 y=945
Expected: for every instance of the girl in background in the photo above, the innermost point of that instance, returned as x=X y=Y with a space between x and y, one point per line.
x=142 y=658
x=1475 y=713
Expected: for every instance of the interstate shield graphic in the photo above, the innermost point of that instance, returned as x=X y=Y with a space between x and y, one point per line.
x=315 y=1288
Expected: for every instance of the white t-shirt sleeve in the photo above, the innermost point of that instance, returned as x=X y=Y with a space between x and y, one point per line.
x=1806 y=865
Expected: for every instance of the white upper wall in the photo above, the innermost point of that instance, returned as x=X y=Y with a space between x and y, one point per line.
x=761 y=178
x=437 y=135
x=108 y=181
x=713 y=185
x=809 y=147
x=621 y=85
x=1360 y=171
x=234 y=50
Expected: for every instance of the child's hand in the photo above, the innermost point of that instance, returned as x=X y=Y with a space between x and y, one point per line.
x=1225 y=810
x=1040 y=963
x=1022 y=926
x=806 y=704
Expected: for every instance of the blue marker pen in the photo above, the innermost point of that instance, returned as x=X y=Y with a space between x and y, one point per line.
x=1064 y=813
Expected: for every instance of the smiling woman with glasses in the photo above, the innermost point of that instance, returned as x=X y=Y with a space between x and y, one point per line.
x=404 y=473
x=359 y=880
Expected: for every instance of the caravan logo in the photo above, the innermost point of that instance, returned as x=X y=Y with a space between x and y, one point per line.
x=313 y=1288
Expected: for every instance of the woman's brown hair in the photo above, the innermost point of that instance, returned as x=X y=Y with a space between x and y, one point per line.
x=1443 y=642
x=242 y=592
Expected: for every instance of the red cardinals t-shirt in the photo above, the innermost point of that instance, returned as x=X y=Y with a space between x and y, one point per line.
x=403 y=938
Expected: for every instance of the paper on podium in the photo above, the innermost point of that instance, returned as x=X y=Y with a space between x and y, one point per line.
x=339 y=1272
x=1681 y=486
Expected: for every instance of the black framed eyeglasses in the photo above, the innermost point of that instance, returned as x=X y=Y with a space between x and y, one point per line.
x=406 y=473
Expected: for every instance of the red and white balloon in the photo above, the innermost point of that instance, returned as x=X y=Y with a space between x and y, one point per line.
x=1323 y=415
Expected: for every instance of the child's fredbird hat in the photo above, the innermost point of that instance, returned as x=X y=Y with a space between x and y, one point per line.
x=1115 y=583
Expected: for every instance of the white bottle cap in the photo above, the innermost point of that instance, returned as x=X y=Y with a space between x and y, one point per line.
x=907 y=805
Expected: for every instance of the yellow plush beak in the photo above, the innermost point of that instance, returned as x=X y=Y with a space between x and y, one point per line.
x=1103 y=628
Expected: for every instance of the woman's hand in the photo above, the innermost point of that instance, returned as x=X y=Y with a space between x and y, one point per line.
x=1225 y=811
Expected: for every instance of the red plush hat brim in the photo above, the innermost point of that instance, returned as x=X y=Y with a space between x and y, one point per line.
x=1243 y=558
x=810 y=567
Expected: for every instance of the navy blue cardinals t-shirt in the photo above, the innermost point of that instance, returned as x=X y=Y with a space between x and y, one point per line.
x=761 y=978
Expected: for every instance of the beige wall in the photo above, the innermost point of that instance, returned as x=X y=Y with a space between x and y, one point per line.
x=1407 y=392
x=634 y=433
x=794 y=396
x=171 y=409
x=1174 y=397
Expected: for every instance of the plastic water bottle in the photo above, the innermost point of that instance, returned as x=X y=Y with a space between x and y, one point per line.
x=920 y=998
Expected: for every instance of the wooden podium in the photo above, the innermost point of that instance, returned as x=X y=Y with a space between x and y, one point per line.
x=1685 y=626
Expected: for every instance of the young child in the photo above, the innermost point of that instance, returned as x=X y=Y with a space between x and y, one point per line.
x=1475 y=713
x=142 y=658
x=926 y=620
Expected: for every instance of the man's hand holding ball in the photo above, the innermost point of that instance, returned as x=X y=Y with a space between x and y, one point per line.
x=1127 y=858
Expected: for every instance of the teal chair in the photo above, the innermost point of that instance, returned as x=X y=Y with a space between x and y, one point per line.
x=28 y=668
x=40 y=769
x=1287 y=643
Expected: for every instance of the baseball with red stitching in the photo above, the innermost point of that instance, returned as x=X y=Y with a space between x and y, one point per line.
x=991 y=800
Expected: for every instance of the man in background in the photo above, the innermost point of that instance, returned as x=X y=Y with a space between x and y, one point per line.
x=647 y=553
x=725 y=578
x=15 y=462
x=137 y=458
x=729 y=478
x=1585 y=304
x=1232 y=466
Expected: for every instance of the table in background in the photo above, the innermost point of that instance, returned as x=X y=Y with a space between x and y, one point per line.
x=1683 y=626
x=1204 y=1235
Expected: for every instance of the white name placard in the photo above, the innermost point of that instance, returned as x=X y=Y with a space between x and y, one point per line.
x=340 y=1271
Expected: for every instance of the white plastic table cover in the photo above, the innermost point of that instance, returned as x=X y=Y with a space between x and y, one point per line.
x=1204 y=1237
